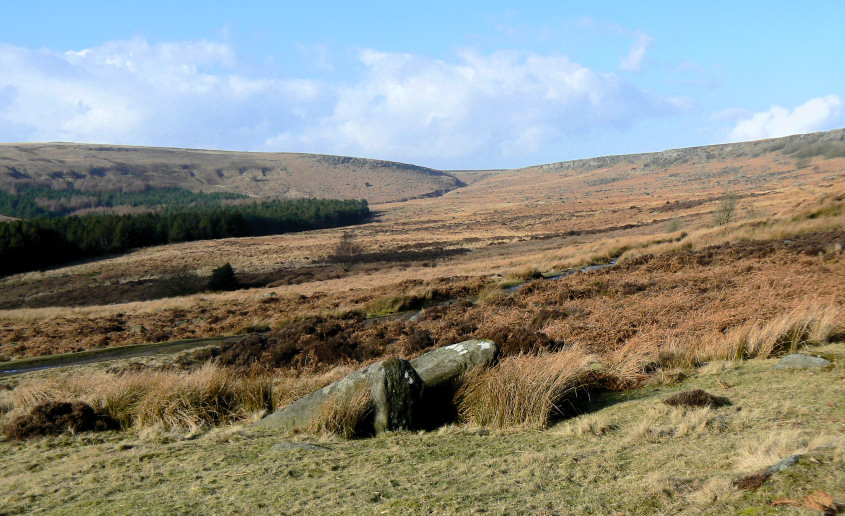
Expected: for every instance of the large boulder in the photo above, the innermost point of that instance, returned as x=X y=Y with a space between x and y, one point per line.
x=396 y=387
x=397 y=390
x=302 y=411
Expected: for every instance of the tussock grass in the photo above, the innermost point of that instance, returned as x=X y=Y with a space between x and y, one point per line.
x=524 y=274
x=211 y=395
x=391 y=304
x=718 y=489
x=524 y=390
x=589 y=425
x=386 y=305
x=805 y=325
x=289 y=387
x=257 y=325
x=464 y=468
x=489 y=293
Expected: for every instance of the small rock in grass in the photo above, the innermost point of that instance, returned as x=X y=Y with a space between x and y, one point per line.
x=298 y=446
x=696 y=398
x=782 y=464
x=801 y=361
x=755 y=480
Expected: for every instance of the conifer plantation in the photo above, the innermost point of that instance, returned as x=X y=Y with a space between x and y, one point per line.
x=45 y=241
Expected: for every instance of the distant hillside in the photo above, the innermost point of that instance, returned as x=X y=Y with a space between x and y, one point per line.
x=827 y=144
x=664 y=182
x=257 y=174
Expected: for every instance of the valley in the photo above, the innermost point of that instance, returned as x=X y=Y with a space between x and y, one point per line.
x=715 y=262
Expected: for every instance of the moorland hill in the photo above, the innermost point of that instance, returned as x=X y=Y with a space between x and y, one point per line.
x=90 y=167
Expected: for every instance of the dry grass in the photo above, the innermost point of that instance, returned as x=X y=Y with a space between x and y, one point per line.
x=489 y=293
x=390 y=304
x=589 y=425
x=685 y=465
x=57 y=329
x=718 y=489
x=210 y=395
x=805 y=325
x=345 y=417
x=525 y=274
x=661 y=422
x=526 y=391
x=673 y=310
x=830 y=218
x=758 y=454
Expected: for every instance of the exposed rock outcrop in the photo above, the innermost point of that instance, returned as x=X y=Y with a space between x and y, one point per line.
x=397 y=387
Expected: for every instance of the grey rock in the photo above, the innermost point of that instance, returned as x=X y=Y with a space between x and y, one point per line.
x=396 y=386
x=397 y=390
x=801 y=361
x=443 y=364
x=301 y=411
x=782 y=464
x=298 y=446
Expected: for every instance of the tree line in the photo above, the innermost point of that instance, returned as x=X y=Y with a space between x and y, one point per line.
x=31 y=201
x=33 y=244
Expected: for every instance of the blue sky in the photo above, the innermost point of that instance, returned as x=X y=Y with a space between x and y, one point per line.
x=444 y=84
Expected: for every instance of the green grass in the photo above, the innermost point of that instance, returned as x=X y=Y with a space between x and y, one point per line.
x=395 y=304
x=632 y=454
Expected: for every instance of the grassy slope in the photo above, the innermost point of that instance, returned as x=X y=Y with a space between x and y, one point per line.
x=507 y=220
x=261 y=174
x=631 y=455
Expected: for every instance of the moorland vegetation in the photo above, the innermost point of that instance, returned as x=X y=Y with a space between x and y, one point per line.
x=607 y=286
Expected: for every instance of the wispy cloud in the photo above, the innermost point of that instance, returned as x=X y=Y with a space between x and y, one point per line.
x=634 y=60
x=817 y=114
x=475 y=108
x=182 y=94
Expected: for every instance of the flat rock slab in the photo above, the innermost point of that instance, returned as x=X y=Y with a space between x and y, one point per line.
x=300 y=412
x=443 y=364
x=801 y=361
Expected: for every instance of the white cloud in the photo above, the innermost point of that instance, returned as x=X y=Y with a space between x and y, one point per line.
x=474 y=109
x=505 y=103
x=815 y=115
x=180 y=94
x=633 y=61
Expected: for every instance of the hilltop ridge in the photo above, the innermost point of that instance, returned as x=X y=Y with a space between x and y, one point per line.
x=829 y=144
x=93 y=167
